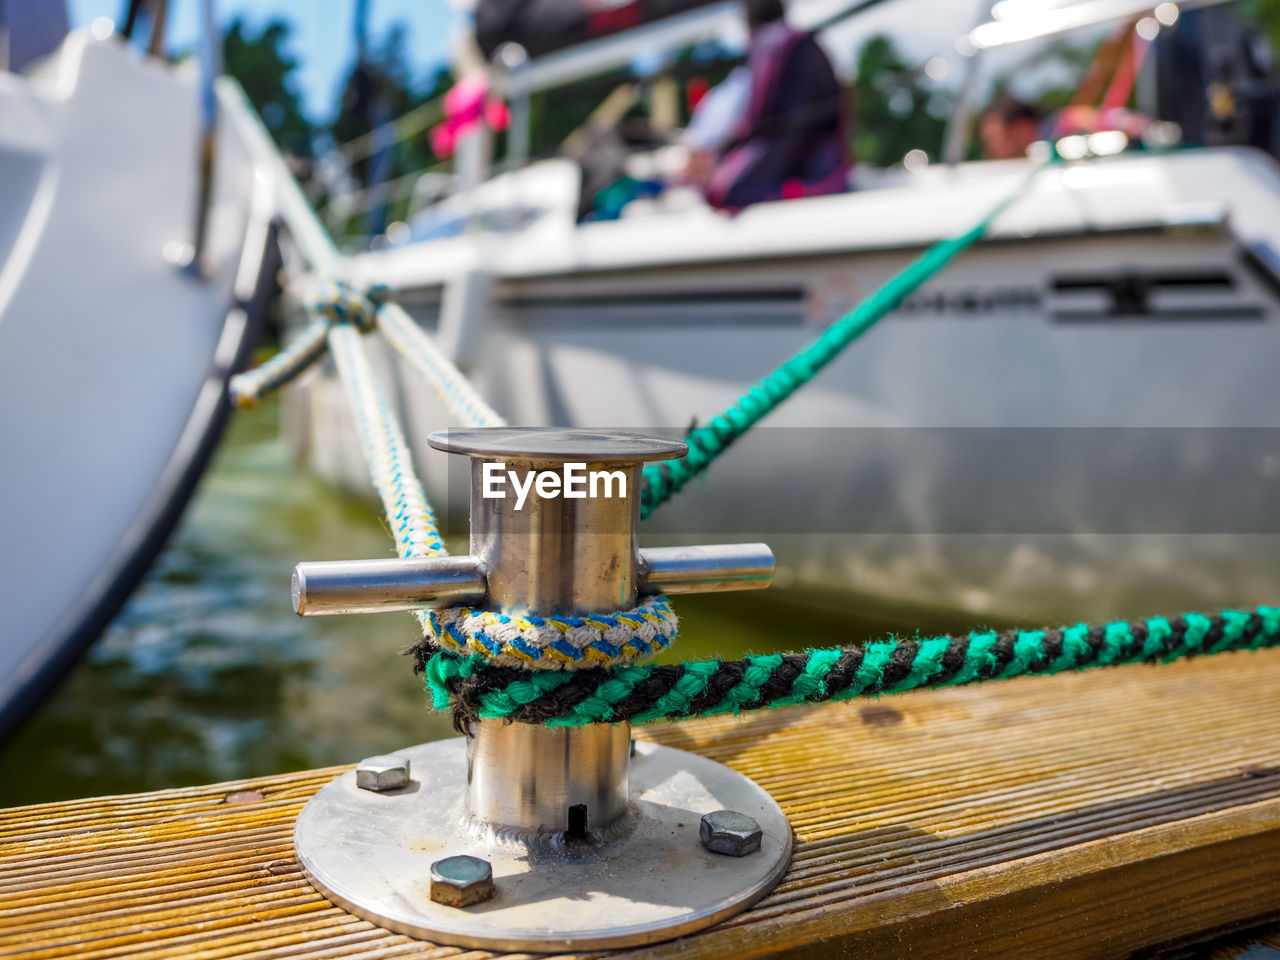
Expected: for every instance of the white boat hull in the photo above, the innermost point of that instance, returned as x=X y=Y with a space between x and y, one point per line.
x=113 y=360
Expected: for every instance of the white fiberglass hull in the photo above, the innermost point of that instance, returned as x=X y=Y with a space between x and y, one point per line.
x=113 y=360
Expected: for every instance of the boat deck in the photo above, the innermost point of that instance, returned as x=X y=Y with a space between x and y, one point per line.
x=1084 y=815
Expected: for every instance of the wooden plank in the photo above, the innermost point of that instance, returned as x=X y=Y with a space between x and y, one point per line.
x=1087 y=815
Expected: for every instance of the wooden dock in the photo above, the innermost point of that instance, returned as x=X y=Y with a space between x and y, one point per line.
x=1084 y=815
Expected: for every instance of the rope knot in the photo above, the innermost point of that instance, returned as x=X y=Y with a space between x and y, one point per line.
x=344 y=302
x=341 y=302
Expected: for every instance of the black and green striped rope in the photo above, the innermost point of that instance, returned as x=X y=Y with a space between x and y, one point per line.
x=474 y=688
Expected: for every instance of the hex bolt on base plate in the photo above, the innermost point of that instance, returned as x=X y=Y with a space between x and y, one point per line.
x=372 y=854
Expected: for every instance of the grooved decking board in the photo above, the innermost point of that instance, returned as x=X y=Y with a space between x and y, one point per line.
x=1084 y=815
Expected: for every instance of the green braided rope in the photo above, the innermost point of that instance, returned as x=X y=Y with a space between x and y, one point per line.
x=474 y=688
x=706 y=443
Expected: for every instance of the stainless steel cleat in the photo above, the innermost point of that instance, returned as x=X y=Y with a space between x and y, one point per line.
x=592 y=840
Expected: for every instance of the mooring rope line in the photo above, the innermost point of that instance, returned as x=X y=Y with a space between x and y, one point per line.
x=509 y=636
x=413 y=523
x=366 y=309
x=473 y=688
x=706 y=443
x=386 y=454
x=449 y=383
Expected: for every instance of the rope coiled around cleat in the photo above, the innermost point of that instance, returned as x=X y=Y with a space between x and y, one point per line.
x=529 y=642
x=475 y=689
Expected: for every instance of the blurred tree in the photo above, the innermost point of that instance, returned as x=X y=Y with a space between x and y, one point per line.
x=266 y=72
x=896 y=108
x=379 y=81
x=379 y=89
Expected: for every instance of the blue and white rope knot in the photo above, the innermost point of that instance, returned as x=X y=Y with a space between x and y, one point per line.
x=338 y=302
x=521 y=639
x=344 y=302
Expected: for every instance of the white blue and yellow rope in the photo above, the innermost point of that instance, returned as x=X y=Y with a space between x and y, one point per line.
x=248 y=388
x=454 y=390
x=508 y=638
x=413 y=524
x=557 y=643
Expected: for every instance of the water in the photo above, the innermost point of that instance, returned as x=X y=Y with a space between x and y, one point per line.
x=206 y=674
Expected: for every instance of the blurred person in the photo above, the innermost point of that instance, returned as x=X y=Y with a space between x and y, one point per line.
x=1008 y=127
x=714 y=120
x=790 y=140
